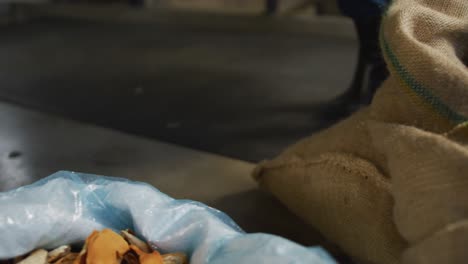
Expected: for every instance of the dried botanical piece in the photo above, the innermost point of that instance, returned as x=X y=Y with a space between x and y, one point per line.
x=36 y=257
x=133 y=240
x=175 y=258
x=58 y=253
x=103 y=247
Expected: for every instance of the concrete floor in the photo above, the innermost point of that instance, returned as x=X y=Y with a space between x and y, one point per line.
x=34 y=145
x=243 y=87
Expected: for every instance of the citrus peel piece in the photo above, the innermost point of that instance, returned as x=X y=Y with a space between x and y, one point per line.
x=147 y=258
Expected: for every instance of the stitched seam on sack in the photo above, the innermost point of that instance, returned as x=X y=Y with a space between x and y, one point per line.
x=291 y=164
x=417 y=88
x=302 y=164
x=461 y=127
x=425 y=94
x=448 y=228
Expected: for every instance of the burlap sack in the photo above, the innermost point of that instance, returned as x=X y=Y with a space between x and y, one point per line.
x=390 y=184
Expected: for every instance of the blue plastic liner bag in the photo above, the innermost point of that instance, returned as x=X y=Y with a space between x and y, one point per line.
x=66 y=207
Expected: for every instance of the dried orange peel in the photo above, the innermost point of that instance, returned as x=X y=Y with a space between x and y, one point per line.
x=147 y=258
x=106 y=247
x=103 y=247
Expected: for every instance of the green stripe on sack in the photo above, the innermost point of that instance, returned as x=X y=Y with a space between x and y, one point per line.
x=418 y=88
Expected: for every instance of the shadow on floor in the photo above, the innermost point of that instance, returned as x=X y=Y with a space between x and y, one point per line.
x=238 y=93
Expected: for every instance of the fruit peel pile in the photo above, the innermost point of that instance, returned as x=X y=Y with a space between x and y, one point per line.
x=103 y=247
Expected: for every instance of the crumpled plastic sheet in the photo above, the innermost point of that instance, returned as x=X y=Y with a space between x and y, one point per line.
x=66 y=207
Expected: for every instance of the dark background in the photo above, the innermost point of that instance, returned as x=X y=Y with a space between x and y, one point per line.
x=243 y=86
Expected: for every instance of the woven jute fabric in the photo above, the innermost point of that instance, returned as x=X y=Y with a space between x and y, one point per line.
x=390 y=183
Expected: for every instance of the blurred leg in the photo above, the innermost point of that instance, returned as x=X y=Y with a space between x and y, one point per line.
x=366 y=15
x=271 y=6
x=137 y=3
x=371 y=60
